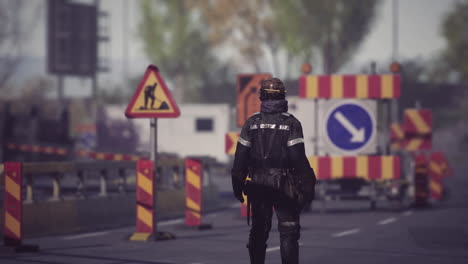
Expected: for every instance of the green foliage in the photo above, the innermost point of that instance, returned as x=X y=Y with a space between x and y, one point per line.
x=329 y=29
x=455 y=31
x=173 y=40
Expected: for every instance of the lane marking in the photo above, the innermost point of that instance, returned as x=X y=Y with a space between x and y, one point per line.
x=387 y=221
x=408 y=213
x=86 y=235
x=171 y=222
x=278 y=248
x=347 y=232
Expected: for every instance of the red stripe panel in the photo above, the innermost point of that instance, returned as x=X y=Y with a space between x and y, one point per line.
x=142 y=196
x=302 y=87
x=396 y=167
x=227 y=143
x=374 y=86
x=349 y=86
x=427 y=143
x=141 y=227
x=375 y=167
x=396 y=86
x=14 y=207
x=324 y=83
x=324 y=168
x=349 y=167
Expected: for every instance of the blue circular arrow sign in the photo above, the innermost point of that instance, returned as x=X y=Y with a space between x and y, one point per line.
x=349 y=127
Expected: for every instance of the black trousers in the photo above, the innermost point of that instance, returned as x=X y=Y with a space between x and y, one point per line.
x=262 y=203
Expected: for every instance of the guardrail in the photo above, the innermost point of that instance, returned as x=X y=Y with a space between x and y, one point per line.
x=107 y=176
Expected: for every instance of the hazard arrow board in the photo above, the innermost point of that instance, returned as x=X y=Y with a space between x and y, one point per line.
x=152 y=99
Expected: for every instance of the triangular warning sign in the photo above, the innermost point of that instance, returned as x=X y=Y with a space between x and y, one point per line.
x=152 y=99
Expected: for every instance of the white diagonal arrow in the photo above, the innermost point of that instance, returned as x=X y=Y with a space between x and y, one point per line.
x=357 y=134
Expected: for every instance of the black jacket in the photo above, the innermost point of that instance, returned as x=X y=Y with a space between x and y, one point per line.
x=272 y=138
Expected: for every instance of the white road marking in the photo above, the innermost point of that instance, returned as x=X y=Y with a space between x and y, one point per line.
x=408 y=213
x=347 y=232
x=86 y=235
x=171 y=222
x=278 y=248
x=387 y=221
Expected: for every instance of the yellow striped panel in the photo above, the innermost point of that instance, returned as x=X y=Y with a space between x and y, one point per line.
x=1 y=168
x=140 y=236
x=118 y=157
x=193 y=179
x=336 y=167
x=387 y=86
x=12 y=224
x=12 y=188
x=234 y=137
x=144 y=183
x=397 y=130
x=418 y=121
x=387 y=167
x=192 y=204
x=145 y=216
x=435 y=168
x=197 y=215
x=362 y=86
x=313 y=162
x=337 y=86
x=436 y=187
x=395 y=146
x=312 y=86
x=100 y=156
x=414 y=144
x=362 y=167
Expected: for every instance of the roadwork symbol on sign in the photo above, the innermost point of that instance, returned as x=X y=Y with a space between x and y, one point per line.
x=350 y=126
x=152 y=99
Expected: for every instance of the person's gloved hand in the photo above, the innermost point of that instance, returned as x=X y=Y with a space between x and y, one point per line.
x=238 y=188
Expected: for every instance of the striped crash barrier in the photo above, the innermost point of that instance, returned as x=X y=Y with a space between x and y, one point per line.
x=49 y=150
x=349 y=86
x=417 y=127
x=364 y=167
x=438 y=170
x=145 y=213
x=194 y=193
x=13 y=208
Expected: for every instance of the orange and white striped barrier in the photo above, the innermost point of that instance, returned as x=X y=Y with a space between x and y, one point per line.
x=145 y=213
x=349 y=86
x=364 y=167
x=417 y=126
x=231 y=142
x=13 y=205
x=193 y=192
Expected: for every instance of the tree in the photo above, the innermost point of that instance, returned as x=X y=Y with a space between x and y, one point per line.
x=328 y=30
x=174 y=40
x=454 y=29
x=13 y=33
x=289 y=31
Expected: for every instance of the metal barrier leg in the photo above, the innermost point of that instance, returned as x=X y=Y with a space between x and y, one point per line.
x=103 y=183
x=56 y=196
x=123 y=181
x=81 y=185
x=29 y=189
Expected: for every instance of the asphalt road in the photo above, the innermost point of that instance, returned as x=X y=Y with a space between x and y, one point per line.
x=347 y=233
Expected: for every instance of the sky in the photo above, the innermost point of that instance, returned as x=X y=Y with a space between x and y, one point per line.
x=418 y=23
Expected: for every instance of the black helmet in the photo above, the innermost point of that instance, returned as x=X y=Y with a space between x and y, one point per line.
x=272 y=89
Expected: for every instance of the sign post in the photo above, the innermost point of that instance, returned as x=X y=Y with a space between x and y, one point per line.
x=153 y=100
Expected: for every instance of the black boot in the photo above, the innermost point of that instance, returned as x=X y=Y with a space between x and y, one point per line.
x=289 y=236
x=257 y=253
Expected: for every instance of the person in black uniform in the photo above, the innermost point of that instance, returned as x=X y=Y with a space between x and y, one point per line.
x=271 y=145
